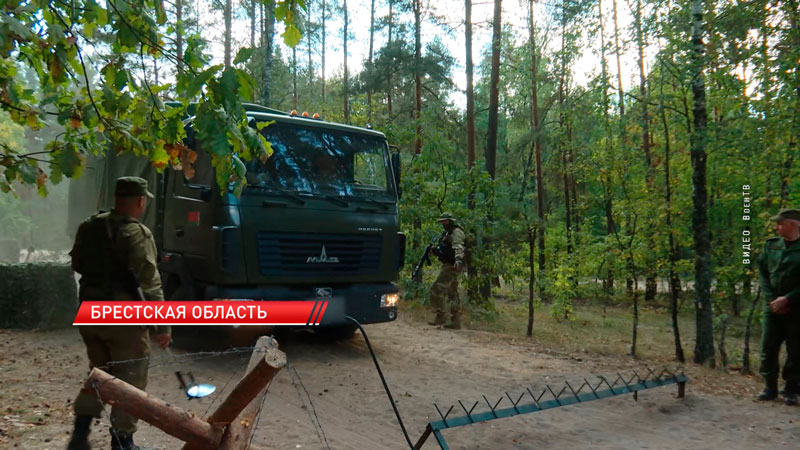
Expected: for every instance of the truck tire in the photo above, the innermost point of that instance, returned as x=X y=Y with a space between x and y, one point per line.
x=337 y=333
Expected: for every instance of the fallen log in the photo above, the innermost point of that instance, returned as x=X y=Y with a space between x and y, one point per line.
x=265 y=362
x=171 y=419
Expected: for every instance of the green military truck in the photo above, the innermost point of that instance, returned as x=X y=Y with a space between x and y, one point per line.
x=318 y=219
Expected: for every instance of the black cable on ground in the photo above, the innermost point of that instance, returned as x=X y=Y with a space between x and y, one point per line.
x=383 y=380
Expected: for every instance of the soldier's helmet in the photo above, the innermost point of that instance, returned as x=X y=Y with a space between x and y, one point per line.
x=446 y=216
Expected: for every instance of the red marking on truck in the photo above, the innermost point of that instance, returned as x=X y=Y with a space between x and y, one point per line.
x=193 y=217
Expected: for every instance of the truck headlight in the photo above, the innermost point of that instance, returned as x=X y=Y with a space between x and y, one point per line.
x=389 y=300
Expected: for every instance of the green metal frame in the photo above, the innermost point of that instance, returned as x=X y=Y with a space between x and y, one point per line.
x=619 y=386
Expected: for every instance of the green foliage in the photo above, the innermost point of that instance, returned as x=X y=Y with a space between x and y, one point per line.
x=55 y=63
x=563 y=292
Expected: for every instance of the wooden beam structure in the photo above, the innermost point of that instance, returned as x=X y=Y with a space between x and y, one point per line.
x=230 y=427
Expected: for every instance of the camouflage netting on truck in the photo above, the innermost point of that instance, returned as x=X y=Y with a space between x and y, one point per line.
x=37 y=295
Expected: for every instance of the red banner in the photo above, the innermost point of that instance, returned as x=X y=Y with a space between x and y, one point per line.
x=214 y=312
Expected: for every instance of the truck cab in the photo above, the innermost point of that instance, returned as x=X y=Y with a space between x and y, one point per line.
x=317 y=219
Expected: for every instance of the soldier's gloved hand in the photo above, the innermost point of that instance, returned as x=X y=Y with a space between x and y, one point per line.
x=162 y=340
x=459 y=265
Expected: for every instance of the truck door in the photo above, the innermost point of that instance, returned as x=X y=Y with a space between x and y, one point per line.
x=188 y=216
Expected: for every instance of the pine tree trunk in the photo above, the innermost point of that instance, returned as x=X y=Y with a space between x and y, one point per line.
x=617 y=51
x=389 y=84
x=310 y=43
x=704 y=342
x=324 y=35
x=608 y=281
x=294 y=77
x=418 y=75
x=369 y=59
x=470 y=86
x=252 y=22
x=179 y=34
x=227 y=14
x=531 y=280
x=640 y=44
x=562 y=124
x=491 y=132
x=269 y=28
x=674 y=281
x=346 y=73
x=536 y=127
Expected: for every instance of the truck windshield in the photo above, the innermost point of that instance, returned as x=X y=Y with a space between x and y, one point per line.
x=325 y=162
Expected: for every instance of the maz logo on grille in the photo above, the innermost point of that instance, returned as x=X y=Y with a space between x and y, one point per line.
x=323 y=258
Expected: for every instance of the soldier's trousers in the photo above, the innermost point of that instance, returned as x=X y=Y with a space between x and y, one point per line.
x=446 y=287
x=780 y=328
x=105 y=345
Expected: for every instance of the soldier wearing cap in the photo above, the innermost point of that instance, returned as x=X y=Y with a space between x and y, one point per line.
x=116 y=257
x=779 y=277
x=450 y=251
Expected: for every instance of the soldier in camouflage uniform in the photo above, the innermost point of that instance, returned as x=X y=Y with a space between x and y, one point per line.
x=450 y=251
x=116 y=255
x=779 y=277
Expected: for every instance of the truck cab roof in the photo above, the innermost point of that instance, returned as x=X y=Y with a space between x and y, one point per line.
x=310 y=122
x=263 y=113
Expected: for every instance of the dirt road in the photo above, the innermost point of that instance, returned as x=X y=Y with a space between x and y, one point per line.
x=331 y=396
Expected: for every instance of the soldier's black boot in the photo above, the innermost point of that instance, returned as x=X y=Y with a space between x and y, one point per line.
x=80 y=434
x=439 y=320
x=122 y=441
x=770 y=392
x=790 y=393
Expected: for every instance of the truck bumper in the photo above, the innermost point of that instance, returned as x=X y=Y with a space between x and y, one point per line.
x=361 y=302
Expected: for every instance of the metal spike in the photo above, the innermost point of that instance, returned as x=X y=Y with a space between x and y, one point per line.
x=443 y=416
x=621 y=378
x=574 y=394
x=554 y=394
x=594 y=391
x=438 y=410
x=490 y=405
x=497 y=404
x=610 y=386
x=638 y=377
x=533 y=397
x=469 y=413
x=541 y=395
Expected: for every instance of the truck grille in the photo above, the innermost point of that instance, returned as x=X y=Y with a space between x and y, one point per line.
x=301 y=254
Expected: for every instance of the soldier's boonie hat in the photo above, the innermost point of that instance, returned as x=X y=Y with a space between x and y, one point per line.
x=446 y=216
x=132 y=187
x=786 y=213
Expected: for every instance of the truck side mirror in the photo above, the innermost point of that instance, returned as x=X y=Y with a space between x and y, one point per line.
x=396 y=172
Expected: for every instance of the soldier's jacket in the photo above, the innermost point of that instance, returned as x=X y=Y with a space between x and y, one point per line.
x=451 y=246
x=113 y=253
x=779 y=271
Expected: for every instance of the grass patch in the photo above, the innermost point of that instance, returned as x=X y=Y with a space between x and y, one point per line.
x=603 y=327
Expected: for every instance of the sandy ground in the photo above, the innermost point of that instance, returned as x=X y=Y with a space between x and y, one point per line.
x=330 y=396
